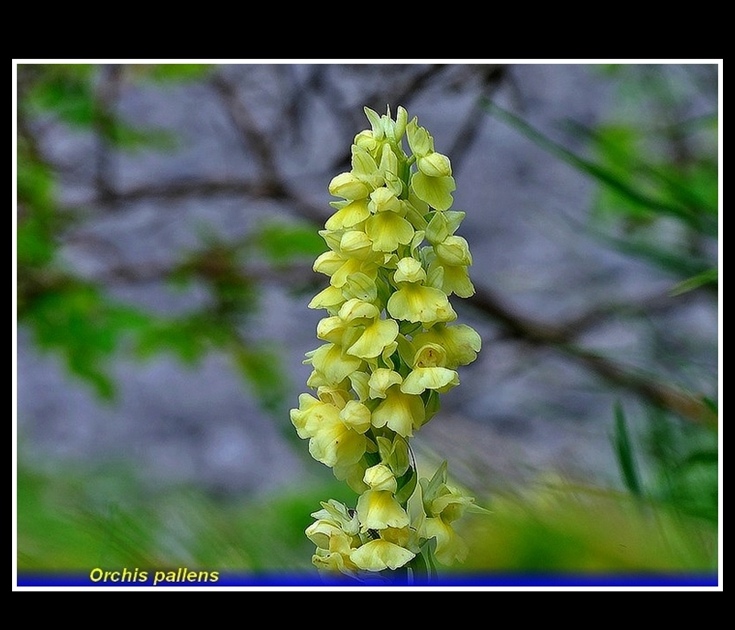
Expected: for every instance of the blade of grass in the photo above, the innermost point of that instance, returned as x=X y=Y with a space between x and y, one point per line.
x=708 y=278
x=624 y=452
x=599 y=173
x=656 y=175
x=677 y=263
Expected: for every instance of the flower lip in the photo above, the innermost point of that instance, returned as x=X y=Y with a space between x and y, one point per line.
x=409 y=270
x=430 y=355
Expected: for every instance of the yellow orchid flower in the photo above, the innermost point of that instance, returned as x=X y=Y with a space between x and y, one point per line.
x=460 y=342
x=433 y=182
x=377 y=508
x=400 y=411
x=418 y=303
x=389 y=349
x=335 y=436
x=349 y=214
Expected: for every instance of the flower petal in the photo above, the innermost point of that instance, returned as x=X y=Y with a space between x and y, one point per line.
x=330 y=299
x=449 y=546
x=461 y=342
x=378 y=555
x=336 y=444
x=418 y=303
x=400 y=412
x=356 y=416
x=454 y=251
x=348 y=216
x=348 y=186
x=387 y=230
x=434 y=165
x=378 y=509
x=375 y=337
x=380 y=380
x=454 y=280
x=380 y=477
x=333 y=364
x=436 y=191
x=421 y=379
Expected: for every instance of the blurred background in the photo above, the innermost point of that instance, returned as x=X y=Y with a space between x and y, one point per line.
x=165 y=228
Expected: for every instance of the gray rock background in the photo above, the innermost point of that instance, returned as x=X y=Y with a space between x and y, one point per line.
x=521 y=411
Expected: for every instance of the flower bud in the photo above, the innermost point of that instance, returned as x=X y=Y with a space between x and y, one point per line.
x=366 y=140
x=380 y=380
x=401 y=121
x=384 y=200
x=419 y=140
x=454 y=251
x=375 y=122
x=438 y=228
x=347 y=186
x=380 y=477
x=356 y=244
x=435 y=165
x=409 y=270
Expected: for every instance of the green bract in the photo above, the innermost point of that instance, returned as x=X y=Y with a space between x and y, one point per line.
x=389 y=351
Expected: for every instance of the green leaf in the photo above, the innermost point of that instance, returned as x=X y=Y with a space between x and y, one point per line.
x=65 y=91
x=174 y=72
x=606 y=176
x=35 y=181
x=131 y=138
x=624 y=452
x=678 y=263
x=428 y=557
x=75 y=319
x=284 y=242
x=431 y=487
x=706 y=457
x=692 y=184
x=385 y=448
x=710 y=276
x=406 y=486
x=35 y=245
x=262 y=368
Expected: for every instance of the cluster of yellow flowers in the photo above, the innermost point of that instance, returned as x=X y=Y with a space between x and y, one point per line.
x=389 y=350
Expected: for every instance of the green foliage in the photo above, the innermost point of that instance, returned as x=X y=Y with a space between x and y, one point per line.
x=74 y=316
x=617 y=179
x=624 y=452
x=664 y=520
x=658 y=182
x=282 y=242
x=79 y=519
x=683 y=461
x=707 y=277
x=175 y=72
x=69 y=93
x=685 y=473
x=218 y=265
x=66 y=90
x=657 y=201
x=189 y=337
x=261 y=366
x=641 y=187
x=561 y=528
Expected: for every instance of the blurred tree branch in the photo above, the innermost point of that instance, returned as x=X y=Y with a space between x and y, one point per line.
x=486 y=301
x=560 y=336
x=261 y=143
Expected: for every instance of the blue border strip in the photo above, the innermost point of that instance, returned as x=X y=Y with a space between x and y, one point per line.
x=228 y=579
